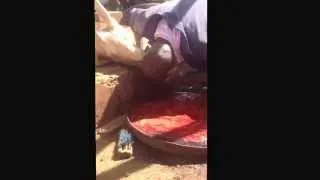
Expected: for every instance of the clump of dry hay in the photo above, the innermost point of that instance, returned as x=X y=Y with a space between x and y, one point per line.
x=107 y=80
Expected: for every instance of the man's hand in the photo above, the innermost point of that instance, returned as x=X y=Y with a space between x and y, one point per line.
x=178 y=72
x=158 y=64
x=157 y=61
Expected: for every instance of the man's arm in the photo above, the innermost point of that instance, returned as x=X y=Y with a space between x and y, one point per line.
x=158 y=60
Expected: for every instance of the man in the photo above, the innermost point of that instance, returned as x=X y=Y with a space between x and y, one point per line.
x=177 y=30
x=178 y=33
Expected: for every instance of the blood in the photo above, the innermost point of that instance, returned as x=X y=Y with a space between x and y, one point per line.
x=172 y=120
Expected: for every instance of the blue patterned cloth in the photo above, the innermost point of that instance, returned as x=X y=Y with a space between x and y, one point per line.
x=125 y=137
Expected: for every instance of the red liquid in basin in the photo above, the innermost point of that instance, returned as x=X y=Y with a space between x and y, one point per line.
x=178 y=119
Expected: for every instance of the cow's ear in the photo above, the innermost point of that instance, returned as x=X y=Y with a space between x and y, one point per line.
x=105 y=15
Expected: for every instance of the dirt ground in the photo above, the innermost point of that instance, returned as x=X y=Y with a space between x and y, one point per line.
x=146 y=163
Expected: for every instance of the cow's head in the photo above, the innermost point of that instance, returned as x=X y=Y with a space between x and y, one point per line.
x=114 y=41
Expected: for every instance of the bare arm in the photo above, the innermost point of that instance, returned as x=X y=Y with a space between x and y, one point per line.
x=158 y=60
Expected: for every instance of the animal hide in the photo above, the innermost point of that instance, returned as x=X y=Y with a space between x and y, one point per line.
x=114 y=41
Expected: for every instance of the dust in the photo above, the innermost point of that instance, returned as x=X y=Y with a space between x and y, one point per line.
x=146 y=163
